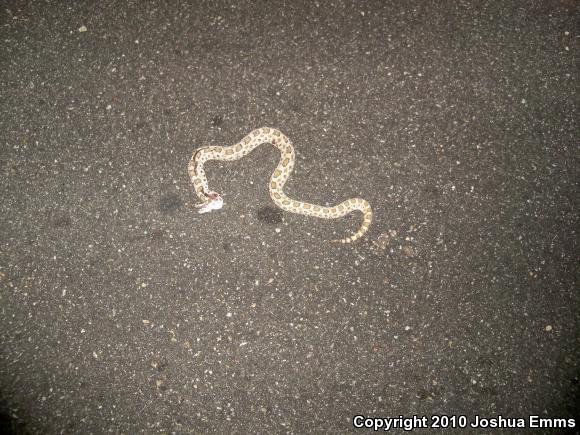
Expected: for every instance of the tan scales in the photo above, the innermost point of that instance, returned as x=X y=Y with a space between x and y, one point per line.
x=212 y=201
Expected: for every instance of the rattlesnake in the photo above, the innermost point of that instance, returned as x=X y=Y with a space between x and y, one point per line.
x=213 y=201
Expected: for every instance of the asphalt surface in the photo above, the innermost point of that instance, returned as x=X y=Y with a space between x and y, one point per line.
x=124 y=311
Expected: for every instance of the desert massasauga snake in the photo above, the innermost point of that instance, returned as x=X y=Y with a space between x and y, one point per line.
x=213 y=201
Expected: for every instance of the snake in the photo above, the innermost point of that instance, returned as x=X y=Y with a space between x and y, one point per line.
x=210 y=200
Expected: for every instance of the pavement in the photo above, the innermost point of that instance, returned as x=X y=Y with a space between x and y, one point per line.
x=124 y=311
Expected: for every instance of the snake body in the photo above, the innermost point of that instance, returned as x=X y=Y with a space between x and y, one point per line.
x=277 y=180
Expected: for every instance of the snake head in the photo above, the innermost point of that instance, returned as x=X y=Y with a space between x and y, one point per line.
x=213 y=196
x=214 y=202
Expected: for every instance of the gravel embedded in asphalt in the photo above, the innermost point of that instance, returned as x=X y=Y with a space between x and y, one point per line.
x=122 y=310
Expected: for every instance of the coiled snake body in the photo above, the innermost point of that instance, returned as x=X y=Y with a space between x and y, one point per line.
x=212 y=201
